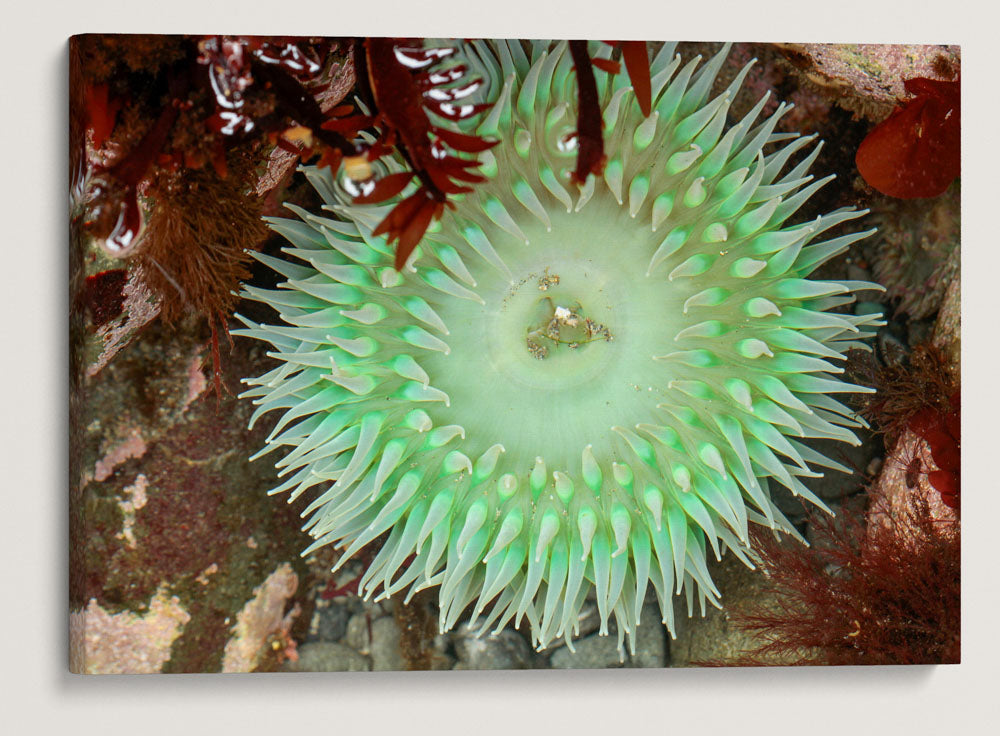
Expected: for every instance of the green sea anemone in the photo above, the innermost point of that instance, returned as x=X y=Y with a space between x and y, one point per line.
x=567 y=390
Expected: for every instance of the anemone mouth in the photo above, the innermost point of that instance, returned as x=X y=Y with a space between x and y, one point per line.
x=561 y=350
x=565 y=392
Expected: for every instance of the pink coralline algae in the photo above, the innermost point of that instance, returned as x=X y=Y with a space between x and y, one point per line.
x=197 y=382
x=263 y=625
x=132 y=446
x=126 y=643
x=135 y=499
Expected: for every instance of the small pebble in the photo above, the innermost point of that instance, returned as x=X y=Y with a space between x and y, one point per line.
x=329 y=622
x=650 y=639
x=593 y=652
x=358 y=635
x=506 y=651
x=385 y=646
x=324 y=656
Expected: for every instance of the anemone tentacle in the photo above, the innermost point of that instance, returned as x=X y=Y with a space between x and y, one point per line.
x=566 y=389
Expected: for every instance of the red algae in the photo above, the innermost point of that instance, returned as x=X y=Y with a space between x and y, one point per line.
x=916 y=152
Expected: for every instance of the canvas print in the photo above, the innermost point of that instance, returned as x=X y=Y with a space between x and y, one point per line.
x=410 y=354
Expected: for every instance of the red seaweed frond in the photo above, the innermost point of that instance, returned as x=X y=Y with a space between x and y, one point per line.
x=406 y=81
x=636 y=59
x=941 y=429
x=916 y=151
x=886 y=595
x=590 y=156
x=408 y=221
x=101 y=113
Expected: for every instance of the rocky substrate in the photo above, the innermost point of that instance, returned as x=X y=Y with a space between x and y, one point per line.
x=348 y=634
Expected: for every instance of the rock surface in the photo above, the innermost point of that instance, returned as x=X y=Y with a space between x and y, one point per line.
x=947 y=333
x=324 y=656
x=650 y=640
x=592 y=652
x=867 y=78
x=385 y=650
x=506 y=651
x=165 y=500
x=329 y=621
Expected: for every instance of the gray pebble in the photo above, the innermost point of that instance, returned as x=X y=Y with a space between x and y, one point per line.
x=323 y=656
x=329 y=621
x=650 y=639
x=358 y=636
x=385 y=645
x=594 y=652
x=506 y=651
x=442 y=642
x=890 y=348
x=857 y=273
x=353 y=604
